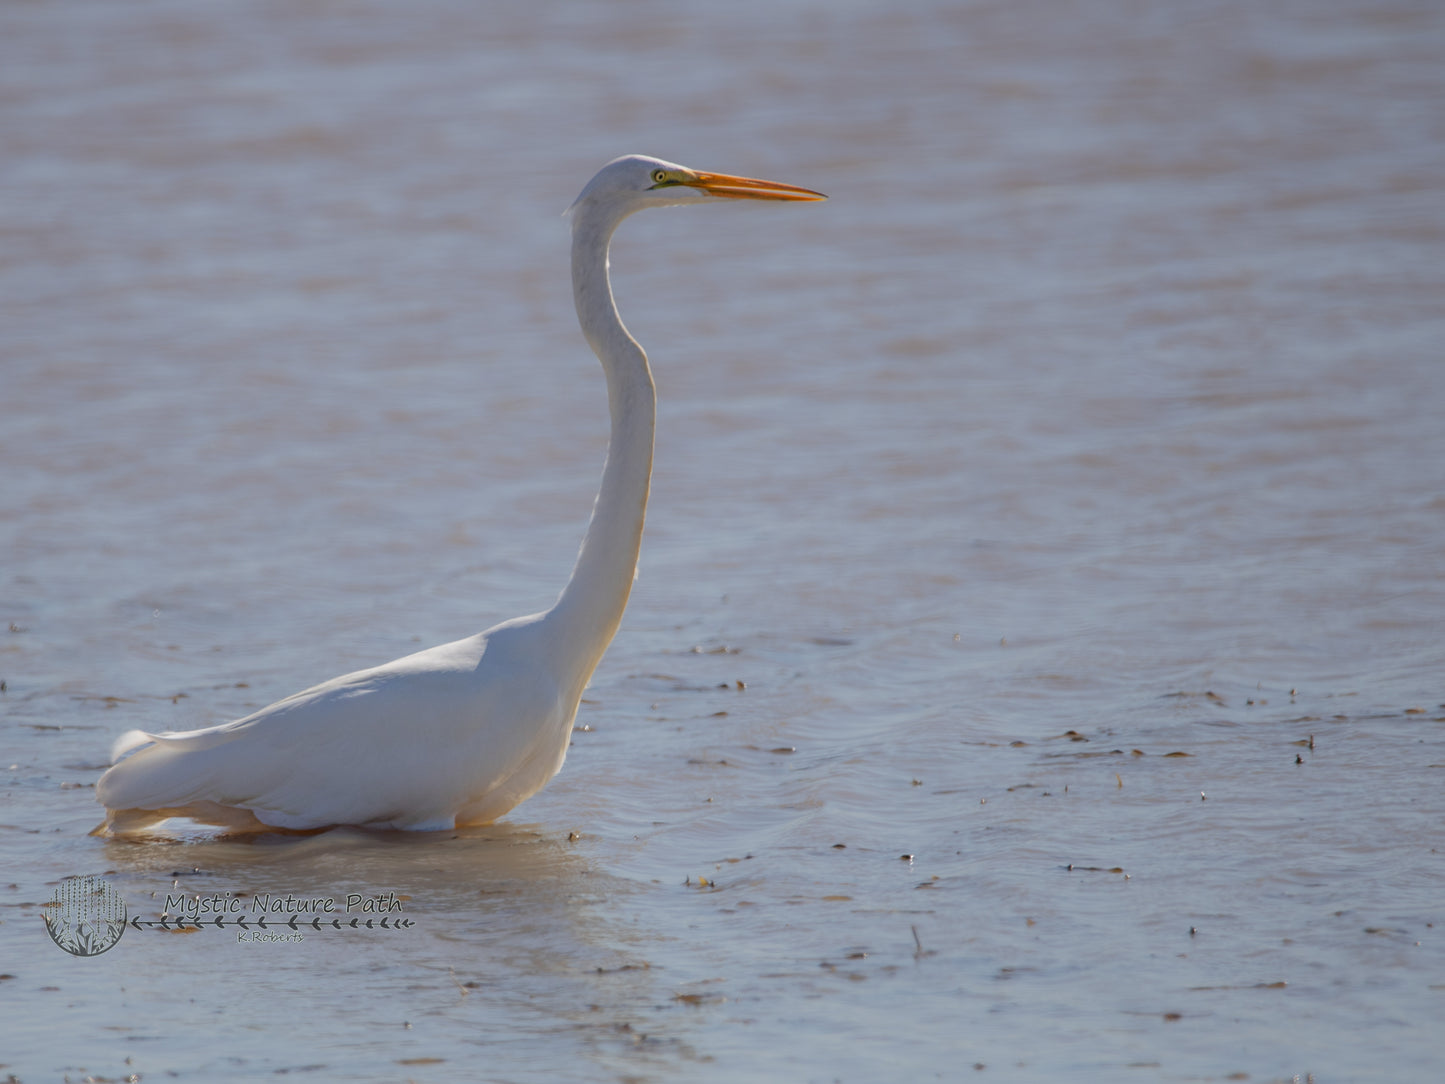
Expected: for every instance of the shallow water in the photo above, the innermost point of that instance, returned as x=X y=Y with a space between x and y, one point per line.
x=1060 y=505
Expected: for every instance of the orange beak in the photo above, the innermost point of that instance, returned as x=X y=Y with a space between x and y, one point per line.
x=721 y=184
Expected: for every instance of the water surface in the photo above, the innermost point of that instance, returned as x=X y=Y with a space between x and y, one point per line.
x=1059 y=506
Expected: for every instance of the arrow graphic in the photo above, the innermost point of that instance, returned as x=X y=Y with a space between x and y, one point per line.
x=221 y=922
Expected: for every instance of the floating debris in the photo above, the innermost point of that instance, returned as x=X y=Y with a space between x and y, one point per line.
x=919 y=951
x=1280 y=985
x=643 y=966
x=699 y=999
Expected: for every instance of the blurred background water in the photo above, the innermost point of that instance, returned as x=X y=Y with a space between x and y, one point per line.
x=1034 y=670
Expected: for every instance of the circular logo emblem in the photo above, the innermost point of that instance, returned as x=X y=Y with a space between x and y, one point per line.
x=86 y=916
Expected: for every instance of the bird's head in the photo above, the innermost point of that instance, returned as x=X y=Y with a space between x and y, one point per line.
x=634 y=182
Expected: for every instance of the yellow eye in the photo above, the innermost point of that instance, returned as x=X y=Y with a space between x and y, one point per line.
x=659 y=175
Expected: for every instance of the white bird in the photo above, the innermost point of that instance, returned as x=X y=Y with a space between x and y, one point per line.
x=461 y=733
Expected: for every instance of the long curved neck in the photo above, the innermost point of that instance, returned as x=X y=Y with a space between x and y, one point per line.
x=589 y=610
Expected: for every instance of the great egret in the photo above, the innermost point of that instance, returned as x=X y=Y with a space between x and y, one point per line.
x=457 y=734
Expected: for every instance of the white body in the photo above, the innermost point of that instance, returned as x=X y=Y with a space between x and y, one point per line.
x=422 y=742
x=463 y=732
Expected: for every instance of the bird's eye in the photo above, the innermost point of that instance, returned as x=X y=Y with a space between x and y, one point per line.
x=659 y=175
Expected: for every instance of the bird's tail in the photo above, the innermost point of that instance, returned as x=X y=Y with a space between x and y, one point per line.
x=128 y=743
